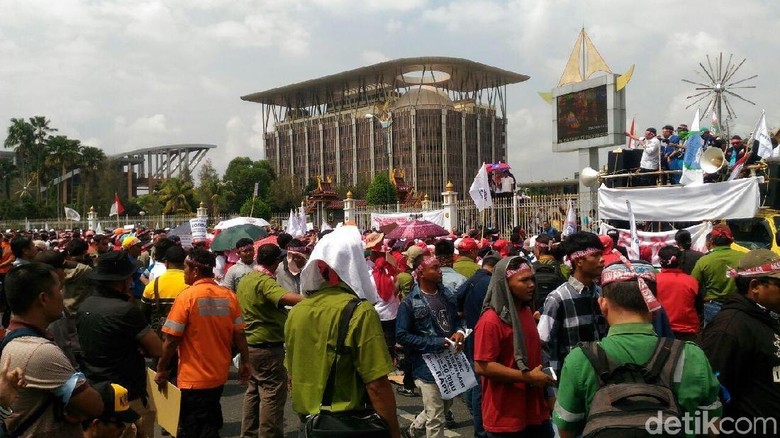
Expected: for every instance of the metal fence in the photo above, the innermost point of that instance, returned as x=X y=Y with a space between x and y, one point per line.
x=506 y=213
x=106 y=223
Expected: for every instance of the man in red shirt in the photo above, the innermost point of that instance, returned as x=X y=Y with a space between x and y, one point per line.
x=678 y=293
x=508 y=355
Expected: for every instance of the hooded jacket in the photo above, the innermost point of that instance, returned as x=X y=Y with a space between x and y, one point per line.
x=743 y=346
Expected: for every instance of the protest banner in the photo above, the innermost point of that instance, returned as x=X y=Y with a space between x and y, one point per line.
x=198 y=228
x=452 y=372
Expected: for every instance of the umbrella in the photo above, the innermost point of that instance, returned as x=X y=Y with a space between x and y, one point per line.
x=496 y=166
x=268 y=239
x=226 y=240
x=241 y=221
x=416 y=229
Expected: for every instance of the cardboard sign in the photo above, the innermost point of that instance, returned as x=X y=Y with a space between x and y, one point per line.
x=198 y=228
x=167 y=403
x=451 y=371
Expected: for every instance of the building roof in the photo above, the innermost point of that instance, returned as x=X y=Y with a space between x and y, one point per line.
x=454 y=74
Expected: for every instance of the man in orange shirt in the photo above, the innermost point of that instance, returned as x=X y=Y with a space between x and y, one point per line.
x=6 y=259
x=205 y=317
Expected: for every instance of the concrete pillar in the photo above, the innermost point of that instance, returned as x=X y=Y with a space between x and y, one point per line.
x=92 y=219
x=349 y=208
x=354 y=152
x=338 y=152
x=450 y=206
x=202 y=212
x=322 y=151
x=413 y=115
x=371 y=142
x=444 y=175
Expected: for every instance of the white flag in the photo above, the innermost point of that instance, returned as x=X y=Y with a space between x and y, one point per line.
x=571 y=221
x=325 y=226
x=72 y=214
x=480 y=190
x=99 y=229
x=761 y=133
x=633 y=249
x=292 y=224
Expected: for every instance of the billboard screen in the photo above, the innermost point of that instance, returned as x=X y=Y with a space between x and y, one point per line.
x=582 y=115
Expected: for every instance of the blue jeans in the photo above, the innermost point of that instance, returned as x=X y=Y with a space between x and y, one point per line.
x=473 y=398
x=711 y=308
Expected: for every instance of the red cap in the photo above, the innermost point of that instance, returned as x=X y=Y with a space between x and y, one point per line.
x=722 y=230
x=467 y=244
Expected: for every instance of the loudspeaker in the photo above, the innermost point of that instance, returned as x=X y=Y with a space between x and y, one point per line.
x=622 y=162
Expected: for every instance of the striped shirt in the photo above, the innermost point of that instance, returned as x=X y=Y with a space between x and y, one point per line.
x=570 y=315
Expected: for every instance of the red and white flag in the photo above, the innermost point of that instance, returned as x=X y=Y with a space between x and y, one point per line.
x=116 y=208
x=738 y=167
x=630 y=142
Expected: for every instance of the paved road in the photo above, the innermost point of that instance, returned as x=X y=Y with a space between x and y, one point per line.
x=408 y=407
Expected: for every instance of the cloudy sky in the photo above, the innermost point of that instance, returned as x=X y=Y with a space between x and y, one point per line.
x=128 y=74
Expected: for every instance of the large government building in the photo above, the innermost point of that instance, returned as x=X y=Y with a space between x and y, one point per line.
x=432 y=119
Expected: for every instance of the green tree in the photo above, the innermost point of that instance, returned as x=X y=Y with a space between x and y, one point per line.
x=284 y=194
x=21 y=138
x=91 y=160
x=176 y=196
x=63 y=153
x=211 y=191
x=381 y=191
x=9 y=171
x=242 y=173
x=41 y=133
x=261 y=209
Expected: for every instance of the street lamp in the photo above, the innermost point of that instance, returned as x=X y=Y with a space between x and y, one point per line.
x=385 y=120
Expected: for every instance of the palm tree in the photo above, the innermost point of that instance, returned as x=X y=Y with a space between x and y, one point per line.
x=91 y=159
x=41 y=133
x=175 y=195
x=21 y=138
x=63 y=152
x=9 y=171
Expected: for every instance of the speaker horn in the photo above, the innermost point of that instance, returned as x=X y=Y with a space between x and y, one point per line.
x=712 y=160
x=589 y=177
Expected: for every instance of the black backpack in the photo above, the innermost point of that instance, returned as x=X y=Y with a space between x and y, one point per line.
x=630 y=394
x=547 y=277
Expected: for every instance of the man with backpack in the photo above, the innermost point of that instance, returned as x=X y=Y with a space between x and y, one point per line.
x=632 y=366
x=549 y=273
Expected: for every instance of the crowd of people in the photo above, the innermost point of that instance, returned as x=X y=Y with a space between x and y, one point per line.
x=565 y=334
x=666 y=152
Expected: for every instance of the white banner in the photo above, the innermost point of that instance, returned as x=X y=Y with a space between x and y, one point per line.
x=198 y=228
x=656 y=241
x=452 y=372
x=378 y=220
x=736 y=199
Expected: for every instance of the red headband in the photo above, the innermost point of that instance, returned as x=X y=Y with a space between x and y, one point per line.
x=576 y=255
x=611 y=276
x=757 y=271
x=522 y=267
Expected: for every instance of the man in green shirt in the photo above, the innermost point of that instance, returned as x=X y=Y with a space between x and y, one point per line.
x=710 y=270
x=262 y=303
x=336 y=271
x=631 y=339
x=465 y=264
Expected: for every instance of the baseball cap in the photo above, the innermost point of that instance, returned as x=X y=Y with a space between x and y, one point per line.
x=116 y=405
x=412 y=253
x=467 y=244
x=129 y=241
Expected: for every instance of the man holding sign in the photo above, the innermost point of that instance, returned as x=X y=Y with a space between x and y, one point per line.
x=508 y=355
x=428 y=322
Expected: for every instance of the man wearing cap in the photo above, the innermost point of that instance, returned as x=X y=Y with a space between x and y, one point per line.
x=132 y=246
x=631 y=339
x=117 y=413
x=570 y=315
x=743 y=340
x=466 y=264
x=114 y=335
x=205 y=317
x=55 y=398
x=381 y=266
x=710 y=271
x=246 y=263
x=263 y=303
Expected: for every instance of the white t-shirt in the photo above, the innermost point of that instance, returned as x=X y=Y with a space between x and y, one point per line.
x=650 y=158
